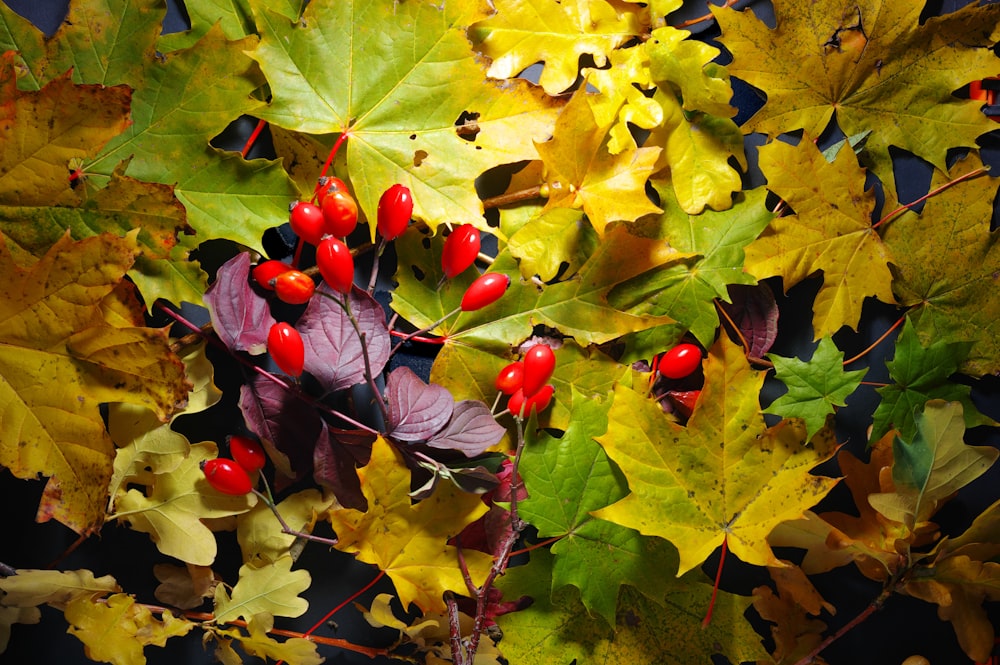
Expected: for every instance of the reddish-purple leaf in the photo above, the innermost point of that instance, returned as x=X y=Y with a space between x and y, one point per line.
x=756 y=313
x=241 y=317
x=335 y=462
x=291 y=425
x=333 y=349
x=417 y=410
x=471 y=430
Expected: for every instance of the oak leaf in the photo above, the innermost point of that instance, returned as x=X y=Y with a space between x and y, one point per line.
x=430 y=121
x=831 y=231
x=271 y=587
x=257 y=642
x=877 y=64
x=407 y=541
x=724 y=476
x=790 y=608
x=30 y=588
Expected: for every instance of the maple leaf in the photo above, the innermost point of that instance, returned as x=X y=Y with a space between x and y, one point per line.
x=830 y=231
x=235 y=18
x=272 y=587
x=722 y=477
x=409 y=542
x=175 y=505
x=566 y=478
x=920 y=374
x=815 y=386
x=936 y=463
x=523 y=32
x=59 y=359
x=875 y=64
x=116 y=629
x=713 y=243
x=645 y=632
x=430 y=121
x=554 y=241
x=947 y=261
x=42 y=132
x=581 y=173
x=869 y=539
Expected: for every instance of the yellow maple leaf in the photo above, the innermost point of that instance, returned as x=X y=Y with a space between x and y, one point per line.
x=523 y=32
x=582 y=173
x=831 y=231
x=410 y=541
x=59 y=359
x=723 y=476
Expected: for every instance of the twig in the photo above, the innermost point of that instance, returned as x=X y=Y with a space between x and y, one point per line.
x=284 y=525
x=513 y=197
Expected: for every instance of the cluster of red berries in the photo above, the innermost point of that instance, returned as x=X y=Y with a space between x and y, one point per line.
x=526 y=383
x=678 y=363
x=234 y=476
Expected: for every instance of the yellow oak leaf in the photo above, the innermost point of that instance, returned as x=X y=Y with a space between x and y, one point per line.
x=410 y=541
x=724 y=476
x=582 y=173
x=831 y=231
x=873 y=62
x=257 y=642
x=523 y=32
x=30 y=588
x=59 y=359
x=115 y=631
x=273 y=588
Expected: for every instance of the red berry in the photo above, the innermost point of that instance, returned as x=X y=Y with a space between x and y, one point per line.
x=285 y=346
x=248 y=453
x=684 y=401
x=539 y=362
x=518 y=404
x=340 y=213
x=680 y=361
x=395 y=207
x=460 y=250
x=335 y=263
x=264 y=273
x=486 y=290
x=226 y=476
x=328 y=184
x=294 y=287
x=306 y=220
x=510 y=378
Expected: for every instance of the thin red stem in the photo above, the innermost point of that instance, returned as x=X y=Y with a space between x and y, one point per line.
x=538 y=545
x=715 y=588
x=329 y=159
x=934 y=192
x=707 y=17
x=881 y=339
x=418 y=338
x=254 y=135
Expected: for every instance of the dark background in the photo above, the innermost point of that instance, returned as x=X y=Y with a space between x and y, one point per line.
x=904 y=627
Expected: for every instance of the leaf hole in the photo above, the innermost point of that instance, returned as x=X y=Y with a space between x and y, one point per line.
x=467 y=125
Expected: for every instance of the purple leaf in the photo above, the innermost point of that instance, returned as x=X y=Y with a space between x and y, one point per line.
x=335 y=463
x=290 y=424
x=756 y=313
x=471 y=430
x=333 y=349
x=241 y=317
x=416 y=410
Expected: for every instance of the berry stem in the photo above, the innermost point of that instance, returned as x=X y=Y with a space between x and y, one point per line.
x=408 y=336
x=715 y=587
x=934 y=192
x=375 y=265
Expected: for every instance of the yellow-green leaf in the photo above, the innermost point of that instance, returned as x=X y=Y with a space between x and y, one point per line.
x=273 y=588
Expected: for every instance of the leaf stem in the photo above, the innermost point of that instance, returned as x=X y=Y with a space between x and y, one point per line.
x=881 y=339
x=718 y=578
x=934 y=192
x=408 y=336
x=254 y=135
x=329 y=160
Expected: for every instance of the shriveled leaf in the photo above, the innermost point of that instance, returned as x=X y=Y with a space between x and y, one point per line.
x=336 y=459
x=290 y=424
x=184 y=587
x=409 y=542
x=936 y=463
x=815 y=386
x=334 y=354
x=240 y=316
x=831 y=231
x=790 y=611
x=723 y=476
x=272 y=587
x=457 y=122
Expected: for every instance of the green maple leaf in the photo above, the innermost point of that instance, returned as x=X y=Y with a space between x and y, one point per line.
x=566 y=478
x=421 y=114
x=271 y=587
x=645 y=632
x=815 y=386
x=831 y=231
x=946 y=263
x=724 y=476
x=919 y=374
x=715 y=241
x=523 y=32
x=872 y=62
x=935 y=464
x=234 y=17
x=181 y=105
